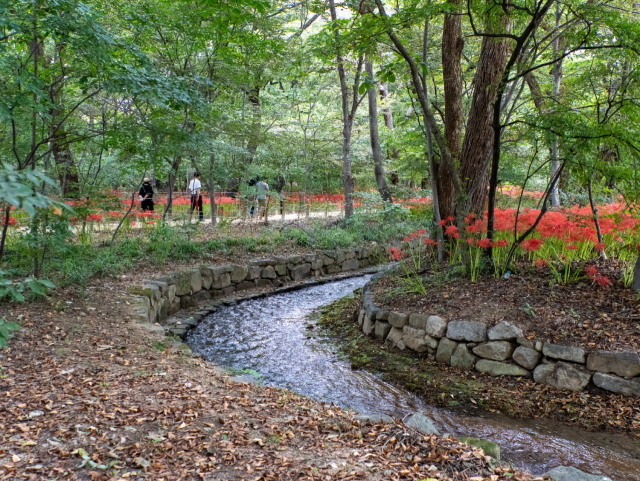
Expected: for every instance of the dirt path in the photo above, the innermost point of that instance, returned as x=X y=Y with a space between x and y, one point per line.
x=87 y=394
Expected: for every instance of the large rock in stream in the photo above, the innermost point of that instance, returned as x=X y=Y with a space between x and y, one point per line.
x=569 y=473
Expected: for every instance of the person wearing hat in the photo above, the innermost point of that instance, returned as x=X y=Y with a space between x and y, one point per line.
x=146 y=195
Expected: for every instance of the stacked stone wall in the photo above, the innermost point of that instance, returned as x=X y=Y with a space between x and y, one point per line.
x=500 y=350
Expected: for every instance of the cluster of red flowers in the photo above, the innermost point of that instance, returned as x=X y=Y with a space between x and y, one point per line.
x=415 y=235
x=592 y=273
x=12 y=221
x=516 y=191
x=486 y=243
x=396 y=253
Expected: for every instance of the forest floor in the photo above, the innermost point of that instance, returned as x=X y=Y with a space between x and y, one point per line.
x=87 y=394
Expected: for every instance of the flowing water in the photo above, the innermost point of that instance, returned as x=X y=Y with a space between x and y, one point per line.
x=271 y=336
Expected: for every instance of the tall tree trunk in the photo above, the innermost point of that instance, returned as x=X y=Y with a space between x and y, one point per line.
x=557 y=82
x=479 y=132
x=348 y=112
x=378 y=166
x=452 y=45
x=256 y=123
x=67 y=169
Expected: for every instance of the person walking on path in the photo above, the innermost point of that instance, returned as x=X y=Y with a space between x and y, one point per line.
x=262 y=188
x=146 y=195
x=195 y=188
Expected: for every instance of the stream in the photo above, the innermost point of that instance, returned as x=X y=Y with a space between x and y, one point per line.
x=270 y=336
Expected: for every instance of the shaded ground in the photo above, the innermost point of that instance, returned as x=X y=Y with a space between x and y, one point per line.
x=87 y=394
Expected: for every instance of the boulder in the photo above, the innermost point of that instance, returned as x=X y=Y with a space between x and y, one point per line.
x=163 y=286
x=624 y=364
x=221 y=280
x=382 y=315
x=340 y=257
x=496 y=350
x=151 y=291
x=468 y=331
x=609 y=382
x=268 y=273
x=526 y=357
x=562 y=376
x=495 y=368
x=253 y=272
x=333 y=269
x=195 y=278
x=259 y=283
x=326 y=260
x=207 y=277
x=436 y=326
x=445 y=350
x=317 y=264
x=569 y=473
x=238 y=273
x=368 y=325
x=244 y=285
x=414 y=339
x=182 y=281
x=462 y=357
x=350 y=265
x=431 y=342
x=381 y=330
x=300 y=272
x=187 y=301
x=421 y=423
x=489 y=447
x=171 y=292
x=202 y=296
x=565 y=353
x=419 y=321
x=373 y=418
x=361 y=317
x=398 y=319
x=504 y=331
x=394 y=336
x=295 y=259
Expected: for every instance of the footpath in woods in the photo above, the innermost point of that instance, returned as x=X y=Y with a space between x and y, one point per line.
x=87 y=394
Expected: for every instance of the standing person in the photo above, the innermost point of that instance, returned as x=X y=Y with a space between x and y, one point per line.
x=262 y=188
x=195 y=188
x=146 y=195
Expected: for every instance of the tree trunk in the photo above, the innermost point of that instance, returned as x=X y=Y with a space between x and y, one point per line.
x=378 y=165
x=557 y=82
x=348 y=113
x=452 y=45
x=479 y=132
x=67 y=169
x=256 y=123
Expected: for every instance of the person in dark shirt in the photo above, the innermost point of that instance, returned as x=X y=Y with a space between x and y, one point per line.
x=146 y=195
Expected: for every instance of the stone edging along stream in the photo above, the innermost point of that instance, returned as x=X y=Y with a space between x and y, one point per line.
x=500 y=350
x=180 y=299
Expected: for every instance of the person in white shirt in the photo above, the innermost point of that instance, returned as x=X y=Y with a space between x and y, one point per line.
x=262 y=188
x=196 y=197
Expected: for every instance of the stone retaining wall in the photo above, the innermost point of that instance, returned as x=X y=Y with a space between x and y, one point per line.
x=500 y=350
x=158 y=300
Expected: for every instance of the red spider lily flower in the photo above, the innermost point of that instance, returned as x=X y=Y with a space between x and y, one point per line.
x=485 y=243
x=603 y=281
x=450 y=218
x=471 y=241
x=96 y=217
x=421 y=232
x=591 y=271
x=470 y=218
x=501 y=243
x=452 y=230
x=532 y=245
x=115 y=213
x=396 y=254
x=442 y=222
x=151 y=222
x=431 y=242
x=473 y=228
x=600 y=246
x=12 y=221
x=572 y=247
x=541 y=263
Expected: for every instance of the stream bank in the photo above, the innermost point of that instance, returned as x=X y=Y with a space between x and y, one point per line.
x=274 y=339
